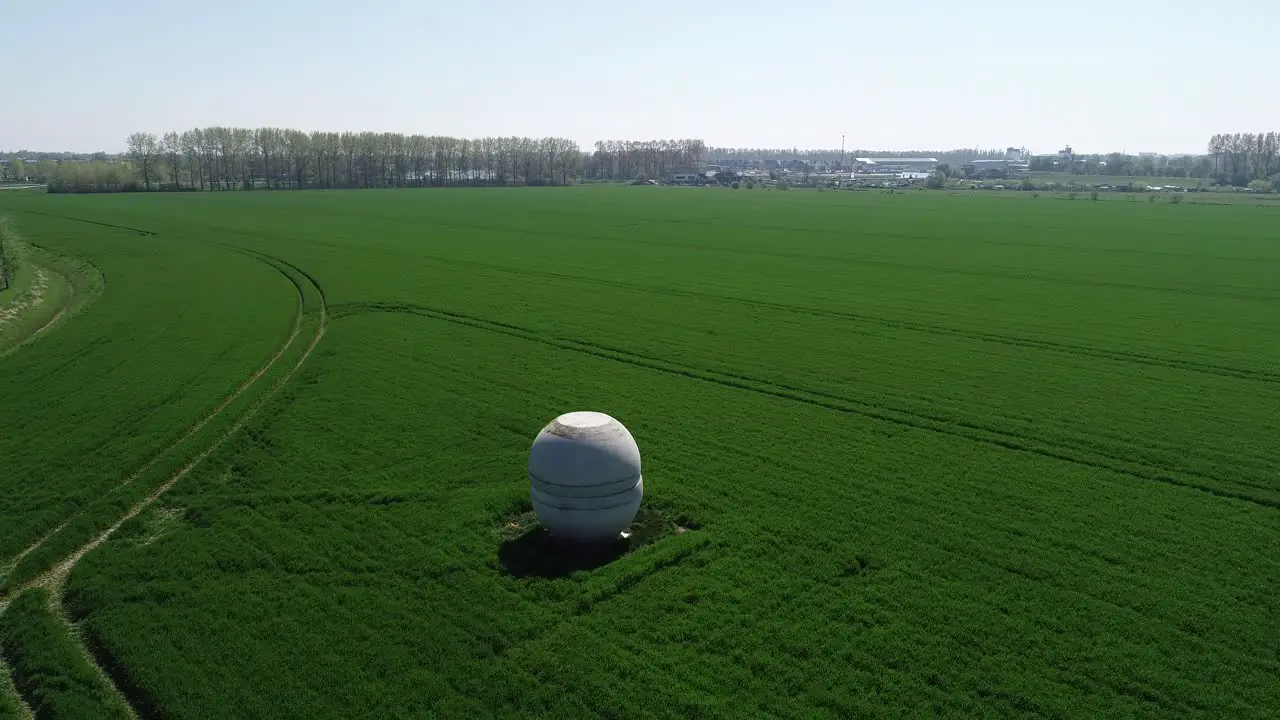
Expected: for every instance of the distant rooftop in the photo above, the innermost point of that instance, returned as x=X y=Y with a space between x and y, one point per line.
x=890 y=161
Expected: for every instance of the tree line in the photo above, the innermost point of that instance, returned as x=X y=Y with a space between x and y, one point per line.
x=224 y=158
x=221 y=158
x=1120 y=164
x=630 y=159
x=1245 y=158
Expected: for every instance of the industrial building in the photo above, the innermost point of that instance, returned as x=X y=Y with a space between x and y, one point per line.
x=685 y=176
x=894 y=166
x=996 y=169
x=1015 y=164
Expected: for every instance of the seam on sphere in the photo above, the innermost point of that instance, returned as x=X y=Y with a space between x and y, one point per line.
x=596 y=492
x=592 y=497
x=583 y=510
x=638 y=477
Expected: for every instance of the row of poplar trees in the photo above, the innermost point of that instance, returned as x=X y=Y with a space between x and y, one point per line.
x=1246 y=157
x=222 y=158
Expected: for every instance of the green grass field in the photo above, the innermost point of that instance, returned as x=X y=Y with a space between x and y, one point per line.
x=972 y=455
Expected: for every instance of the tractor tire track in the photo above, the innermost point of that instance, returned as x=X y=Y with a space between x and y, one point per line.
x=870 y=262
x=12 y=563
x=68 y=307
x=1123 y=356
x=7 y=686
x=191 y=431
x=55 y=579
x=139 y=231
x=898 y=235
x=971 y=431
x=1076 y=349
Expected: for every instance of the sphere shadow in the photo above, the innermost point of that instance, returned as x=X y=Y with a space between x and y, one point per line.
x=538 y=553
x=535 y=552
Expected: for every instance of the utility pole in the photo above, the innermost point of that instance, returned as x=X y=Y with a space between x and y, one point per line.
x=842 y=151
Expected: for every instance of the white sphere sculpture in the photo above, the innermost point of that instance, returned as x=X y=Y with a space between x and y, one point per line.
x=584 y=476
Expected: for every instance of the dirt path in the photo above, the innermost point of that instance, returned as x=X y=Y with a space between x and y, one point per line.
x=9 y=566
x=54 y=580
x=29 y=299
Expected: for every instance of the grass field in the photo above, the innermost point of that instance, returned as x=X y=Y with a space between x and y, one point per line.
x=937 y=455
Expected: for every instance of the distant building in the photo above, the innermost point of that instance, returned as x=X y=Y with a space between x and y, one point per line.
x=684 y=176
x=996 y=169
x=894 y=166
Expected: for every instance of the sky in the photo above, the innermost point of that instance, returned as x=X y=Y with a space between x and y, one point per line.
x=1120 y=75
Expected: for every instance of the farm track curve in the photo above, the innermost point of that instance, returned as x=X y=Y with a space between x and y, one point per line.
x=68 y=305
x=1067 y=348
x=996 y=436
x=1083 y=350
x=54 y=580
x=169 y=447
x=906 y=417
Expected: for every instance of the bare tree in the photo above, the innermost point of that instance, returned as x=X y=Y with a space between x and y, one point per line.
x=171 y=149
x=224 y=158
x=143 y=149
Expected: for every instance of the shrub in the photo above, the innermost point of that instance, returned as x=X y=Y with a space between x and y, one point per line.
x=1176 y=199
x=1093 y=195
x=750 y=185
x=1151 y=199
x=734 y=185
x=8 y=254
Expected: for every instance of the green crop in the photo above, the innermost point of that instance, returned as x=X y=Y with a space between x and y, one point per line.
x=913 y=454
x=56 y=679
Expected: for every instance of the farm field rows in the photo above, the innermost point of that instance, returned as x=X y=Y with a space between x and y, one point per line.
x=936 y=455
